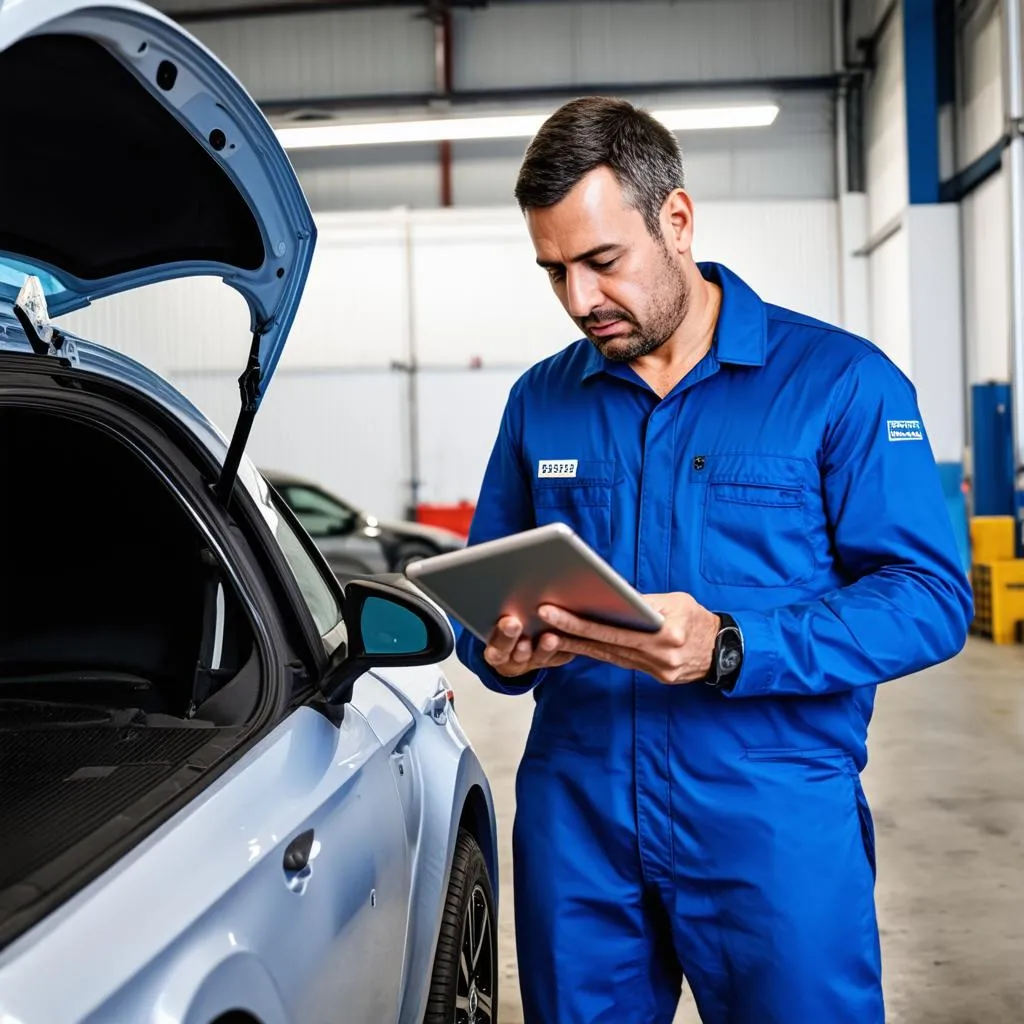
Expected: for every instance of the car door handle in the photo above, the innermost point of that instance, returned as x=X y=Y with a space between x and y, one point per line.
x=296 y=856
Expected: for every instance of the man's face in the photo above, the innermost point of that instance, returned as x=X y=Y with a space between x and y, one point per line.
x=625 y=290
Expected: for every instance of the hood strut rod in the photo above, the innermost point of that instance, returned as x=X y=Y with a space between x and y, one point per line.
x=249 y=387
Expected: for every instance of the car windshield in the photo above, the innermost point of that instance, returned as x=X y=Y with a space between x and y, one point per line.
x=319 y=513
x=14 y=271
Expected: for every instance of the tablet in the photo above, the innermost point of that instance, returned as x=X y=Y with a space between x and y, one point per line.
x=515 y=575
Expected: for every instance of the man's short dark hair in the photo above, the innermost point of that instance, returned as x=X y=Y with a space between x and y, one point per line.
x=597 y=131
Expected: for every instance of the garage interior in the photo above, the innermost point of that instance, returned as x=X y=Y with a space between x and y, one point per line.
x=885 y=194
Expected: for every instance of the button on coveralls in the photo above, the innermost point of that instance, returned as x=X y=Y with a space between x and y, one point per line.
x=668 y=830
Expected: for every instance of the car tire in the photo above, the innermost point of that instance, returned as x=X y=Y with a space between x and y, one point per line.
x=409 y=553
x=464 y=983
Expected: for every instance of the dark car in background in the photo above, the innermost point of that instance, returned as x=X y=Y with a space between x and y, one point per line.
x=354 y=542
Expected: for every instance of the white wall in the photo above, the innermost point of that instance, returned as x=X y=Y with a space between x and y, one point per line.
x=985 y=213
x=914 y=266
x=889 y=279
x=986 y=258
x=937 y=352
x=337 y=411
x=885 y=132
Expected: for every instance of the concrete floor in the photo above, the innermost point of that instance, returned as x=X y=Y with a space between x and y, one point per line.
x=946 y=785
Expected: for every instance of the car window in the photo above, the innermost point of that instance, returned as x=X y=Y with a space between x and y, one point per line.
x=318 y=593
x=321 y=515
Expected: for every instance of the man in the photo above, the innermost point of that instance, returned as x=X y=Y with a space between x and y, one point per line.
x=689 y=802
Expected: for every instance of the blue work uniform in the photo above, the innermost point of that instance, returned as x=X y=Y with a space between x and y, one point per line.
x=669 y=830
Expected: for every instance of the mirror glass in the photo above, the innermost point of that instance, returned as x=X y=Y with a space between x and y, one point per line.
x=389 y=628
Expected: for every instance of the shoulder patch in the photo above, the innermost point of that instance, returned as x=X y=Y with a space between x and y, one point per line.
x=905 y=430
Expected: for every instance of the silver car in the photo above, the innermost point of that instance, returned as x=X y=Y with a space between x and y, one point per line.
x=231 y=790
x=353 y=541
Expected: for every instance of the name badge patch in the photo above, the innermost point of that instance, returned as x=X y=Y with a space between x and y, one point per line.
x=564 y=468
x=905 y=430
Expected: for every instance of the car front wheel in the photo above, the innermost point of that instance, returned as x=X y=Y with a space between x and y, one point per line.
x=409 y=553
x=464 y=985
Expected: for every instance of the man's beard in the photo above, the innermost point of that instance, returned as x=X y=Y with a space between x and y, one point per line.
x=671 y=302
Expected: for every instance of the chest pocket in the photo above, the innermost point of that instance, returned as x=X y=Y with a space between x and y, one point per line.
x=755 y=524
x=583 y=501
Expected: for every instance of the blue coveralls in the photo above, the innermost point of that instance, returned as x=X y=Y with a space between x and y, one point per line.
x=663 y=830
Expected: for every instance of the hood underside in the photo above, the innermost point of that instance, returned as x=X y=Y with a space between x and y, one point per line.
x=92 y=170
x=132 y=155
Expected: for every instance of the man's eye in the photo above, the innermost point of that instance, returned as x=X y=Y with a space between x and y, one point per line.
x=605 y=266
x=556 y=273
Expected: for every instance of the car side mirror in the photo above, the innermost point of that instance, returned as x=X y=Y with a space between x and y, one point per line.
x=388 y=624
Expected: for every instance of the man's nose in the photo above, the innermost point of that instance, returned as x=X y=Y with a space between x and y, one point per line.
x=582 y=292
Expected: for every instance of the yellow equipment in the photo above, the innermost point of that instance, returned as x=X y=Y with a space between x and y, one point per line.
x=997 y=578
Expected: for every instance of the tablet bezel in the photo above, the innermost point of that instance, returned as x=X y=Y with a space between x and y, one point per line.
x=529 y=547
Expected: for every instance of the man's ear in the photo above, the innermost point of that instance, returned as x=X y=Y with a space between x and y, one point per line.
x=677 y=221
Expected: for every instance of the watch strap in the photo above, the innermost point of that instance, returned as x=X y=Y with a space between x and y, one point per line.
x=727 y=657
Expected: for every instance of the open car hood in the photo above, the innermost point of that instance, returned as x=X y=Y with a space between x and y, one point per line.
x=131 y=155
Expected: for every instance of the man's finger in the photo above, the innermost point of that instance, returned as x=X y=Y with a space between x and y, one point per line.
x=566 y=622
x=545 y=650
x=502 y=640
x=624 y=657
x=522 y=652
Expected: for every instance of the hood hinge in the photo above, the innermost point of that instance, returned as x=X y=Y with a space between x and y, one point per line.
x=32 y=313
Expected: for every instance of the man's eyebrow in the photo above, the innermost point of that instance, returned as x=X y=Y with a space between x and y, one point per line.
x=598 y=250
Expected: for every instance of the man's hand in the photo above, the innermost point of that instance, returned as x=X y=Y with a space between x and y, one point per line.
x=680 y=652
x=510 y=654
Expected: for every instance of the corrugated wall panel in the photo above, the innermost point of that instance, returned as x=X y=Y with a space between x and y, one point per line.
x=985 y=213
x=793 y=159
x=986 y=242
x=787 y=251
x=359 y=52
x=886 y=132
x=346 y=429
x=646 y=40
x=333 y=54
x=339 y=54
x=370 y=179
x=196 y=322
x=888 y=194
x=889 y=277
x=459 y=415
x=982 y=108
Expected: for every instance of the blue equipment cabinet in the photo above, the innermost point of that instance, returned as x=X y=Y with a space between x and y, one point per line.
x=992 y=450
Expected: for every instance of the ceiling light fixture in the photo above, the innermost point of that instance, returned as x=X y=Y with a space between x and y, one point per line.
x=454 y=129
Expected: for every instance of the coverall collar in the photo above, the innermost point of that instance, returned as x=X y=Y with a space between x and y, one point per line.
x=741 y=335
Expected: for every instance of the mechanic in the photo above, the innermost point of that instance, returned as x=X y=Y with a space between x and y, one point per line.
x=765 y=480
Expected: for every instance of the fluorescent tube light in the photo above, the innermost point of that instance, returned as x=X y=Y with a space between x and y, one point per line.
x=504 y=127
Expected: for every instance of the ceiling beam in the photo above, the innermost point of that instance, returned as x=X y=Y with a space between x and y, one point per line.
x=232 y=12
x=322 y=107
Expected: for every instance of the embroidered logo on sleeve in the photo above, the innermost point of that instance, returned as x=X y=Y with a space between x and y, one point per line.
x=905 y=430
x=565 y=468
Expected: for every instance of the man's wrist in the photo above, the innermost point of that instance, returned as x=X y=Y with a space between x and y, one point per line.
x=709 y=663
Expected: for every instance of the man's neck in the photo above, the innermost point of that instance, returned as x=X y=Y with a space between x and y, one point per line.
x=664 y=368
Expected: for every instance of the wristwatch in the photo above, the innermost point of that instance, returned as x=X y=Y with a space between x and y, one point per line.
x=727 y=659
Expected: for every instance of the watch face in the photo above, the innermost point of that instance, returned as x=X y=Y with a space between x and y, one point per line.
x=728 y=660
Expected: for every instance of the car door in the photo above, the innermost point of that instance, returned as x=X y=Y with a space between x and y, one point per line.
x=337 y=905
